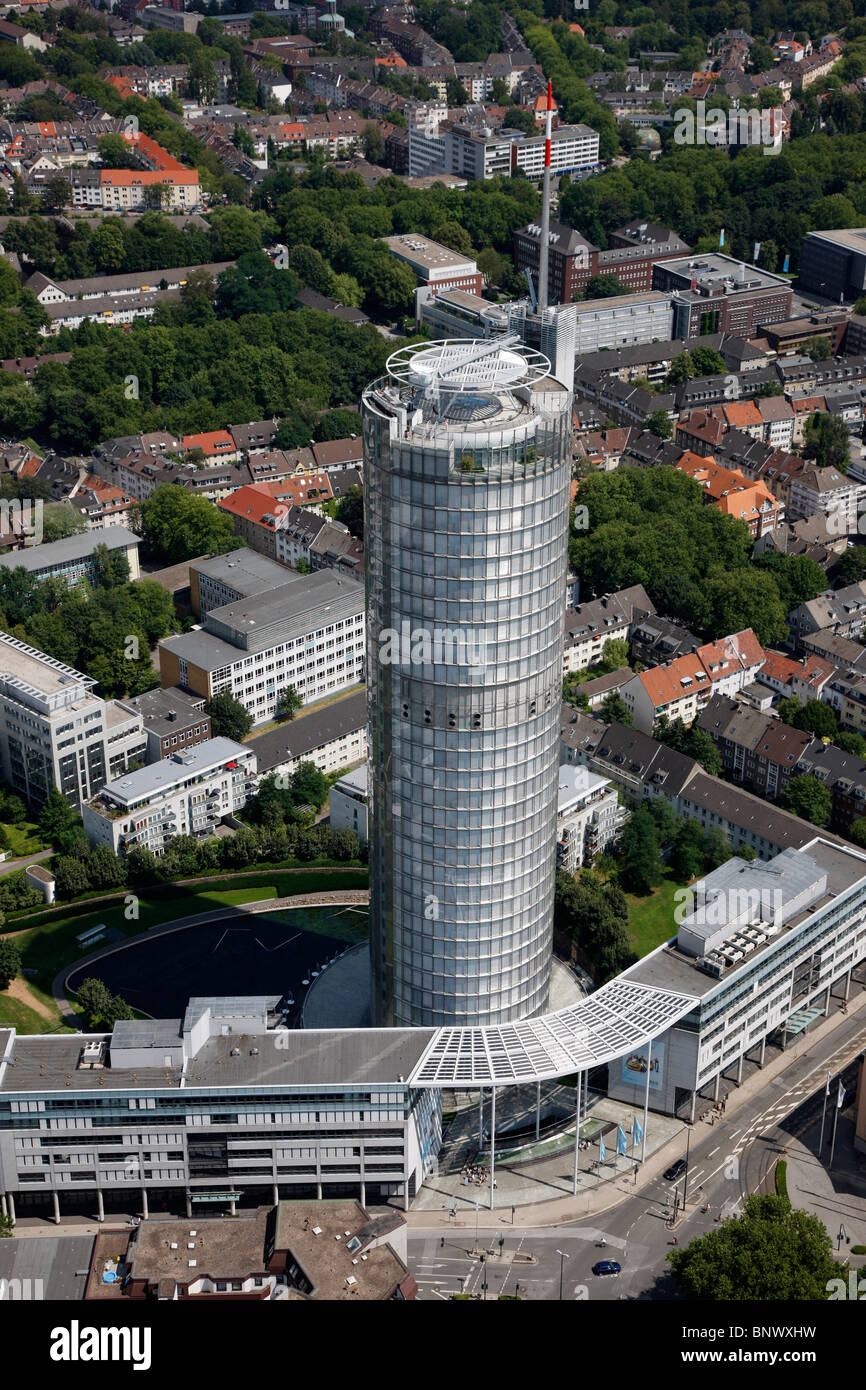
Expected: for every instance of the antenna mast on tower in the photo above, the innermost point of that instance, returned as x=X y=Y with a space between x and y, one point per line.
x=545 y=207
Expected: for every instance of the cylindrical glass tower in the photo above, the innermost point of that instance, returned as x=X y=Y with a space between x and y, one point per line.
x=467 y=450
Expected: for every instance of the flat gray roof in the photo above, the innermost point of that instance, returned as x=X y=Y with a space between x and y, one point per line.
x=310 y=729
x=301 y=1058
x=671 y=969
x=41 y=557
x=302 y=603
x=157 y=777
x=245 y=570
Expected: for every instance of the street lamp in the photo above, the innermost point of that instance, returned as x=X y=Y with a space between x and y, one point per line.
x=562 y=1259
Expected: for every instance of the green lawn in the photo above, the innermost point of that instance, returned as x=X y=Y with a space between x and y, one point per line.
x=651 y=919
x=14 y=1014
x=50 y=944
x=24 y=839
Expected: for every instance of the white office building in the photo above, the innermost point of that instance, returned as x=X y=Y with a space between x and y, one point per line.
x=760 y=949
x=308 y=633
x=56 y=732
x=187 y=794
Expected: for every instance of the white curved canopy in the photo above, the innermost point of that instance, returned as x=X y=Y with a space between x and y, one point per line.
x=616 y=1019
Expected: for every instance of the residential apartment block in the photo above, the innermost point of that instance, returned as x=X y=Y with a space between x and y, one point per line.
x=680 y=689
x=188 y=793
x=591 y=624
x=589 y=817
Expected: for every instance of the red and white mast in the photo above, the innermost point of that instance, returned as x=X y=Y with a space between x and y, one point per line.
x=545 y=205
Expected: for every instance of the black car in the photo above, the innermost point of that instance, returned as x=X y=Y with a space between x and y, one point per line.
x=676 y=1170
x=607 y=1267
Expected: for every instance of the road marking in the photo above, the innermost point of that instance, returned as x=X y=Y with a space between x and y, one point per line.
x=714 y=1151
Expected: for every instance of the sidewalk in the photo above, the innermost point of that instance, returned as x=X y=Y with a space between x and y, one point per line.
x=604 y=1196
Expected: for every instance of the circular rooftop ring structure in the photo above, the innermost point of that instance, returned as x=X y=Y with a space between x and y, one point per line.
x=463 y=364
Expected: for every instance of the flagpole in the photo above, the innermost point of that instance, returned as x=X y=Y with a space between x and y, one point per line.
x=839 y=1102
x=577 y=1133
x=824 y=1115
x=649 y=1055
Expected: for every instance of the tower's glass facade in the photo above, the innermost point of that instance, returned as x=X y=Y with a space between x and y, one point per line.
x=467 y=492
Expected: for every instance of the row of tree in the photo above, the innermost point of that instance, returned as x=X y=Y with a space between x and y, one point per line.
x=105 y=630
x=652 y=527
x=98 y=869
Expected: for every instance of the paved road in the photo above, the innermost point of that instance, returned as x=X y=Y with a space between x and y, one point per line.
x=10 y=865
x=726 y=1162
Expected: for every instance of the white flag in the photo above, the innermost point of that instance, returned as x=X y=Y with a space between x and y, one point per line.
x=840 y=1100
x=827 y=1092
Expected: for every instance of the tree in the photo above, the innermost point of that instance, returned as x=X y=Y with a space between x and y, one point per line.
x=851 y=567
x=453 y=235
x=604 y=287
x=771 y=1253
x=309 y=786
x=614 y=655
x=10 y=961
x=116 y=152
x=288 y=702
x=71 y=876
x=491 y=265
x=856 y=832
x=615 y=710
x=94 y=997
x=806 y=796
x=718 y=848
x=687 y=856
x=350 y=511
x=60 y=520
x=57 y=193
x=639 y=852
x=178 y=525
x=595 y=916
x=55 y=817
x=374 y=144
x=825 y=439
x=337 y=424
x=229 y=718
x=659 y=424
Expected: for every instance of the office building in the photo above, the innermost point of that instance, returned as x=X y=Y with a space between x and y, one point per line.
x=714 y=293
x=308 y=633
x=573 y=261
x=221 y=579
x=347 y=803
x=467 y=462
x=833 y=263
x=56 y=732
x=759 y=951
x=188 y=793
x=73 y=559
x=333 y=736
x=173 y=721
x=435 y=265
x=217 y=1108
